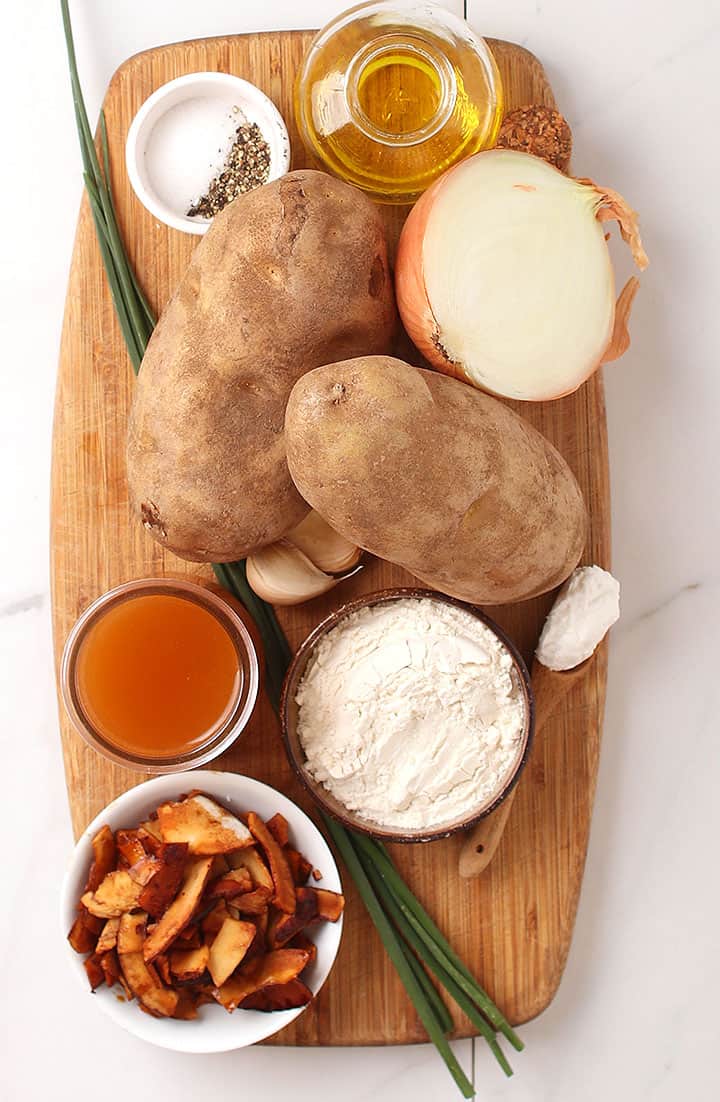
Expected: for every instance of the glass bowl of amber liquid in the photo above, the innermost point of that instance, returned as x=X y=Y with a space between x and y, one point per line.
x=160 y=675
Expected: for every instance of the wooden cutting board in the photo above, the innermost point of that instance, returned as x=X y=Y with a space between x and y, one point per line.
x=512 y=926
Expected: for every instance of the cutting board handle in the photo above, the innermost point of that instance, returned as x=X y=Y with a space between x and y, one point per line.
x=550 y=687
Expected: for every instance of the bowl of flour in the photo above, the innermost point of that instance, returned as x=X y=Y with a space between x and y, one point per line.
x=407 y=715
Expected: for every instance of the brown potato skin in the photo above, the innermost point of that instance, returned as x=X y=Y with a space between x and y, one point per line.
x=290 y=276
x=429 y=473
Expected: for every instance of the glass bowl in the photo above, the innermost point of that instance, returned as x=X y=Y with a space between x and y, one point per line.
x=236 y=716
x=323 y=797
x=393 y=93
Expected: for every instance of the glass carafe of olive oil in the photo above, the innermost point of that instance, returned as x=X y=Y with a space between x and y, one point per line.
x=392 y=93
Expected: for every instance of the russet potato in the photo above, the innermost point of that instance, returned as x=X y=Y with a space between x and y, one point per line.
x=288 y=277
x=429 y=473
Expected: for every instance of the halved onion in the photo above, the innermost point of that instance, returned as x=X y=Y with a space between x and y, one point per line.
x=504 y=280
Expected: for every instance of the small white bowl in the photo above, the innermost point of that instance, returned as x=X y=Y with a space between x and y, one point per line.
x=180 y=138
x=214 y=1030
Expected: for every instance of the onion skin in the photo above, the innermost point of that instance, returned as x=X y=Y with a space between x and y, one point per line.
x=620 y=339
x=417 y=313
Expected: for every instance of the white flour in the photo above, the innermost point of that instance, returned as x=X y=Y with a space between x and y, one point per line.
x=410 y=713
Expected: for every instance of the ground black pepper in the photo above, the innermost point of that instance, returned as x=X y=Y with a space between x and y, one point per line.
x=247 y=167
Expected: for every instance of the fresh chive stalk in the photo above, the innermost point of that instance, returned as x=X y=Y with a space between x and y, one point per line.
x=233 y=576
x=412 y=940
x=442 y=1014
x=379 y=855
x=393 y=946
x=133 y=312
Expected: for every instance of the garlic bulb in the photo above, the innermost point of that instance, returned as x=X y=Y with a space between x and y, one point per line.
x=325 y=547
x=283 y=575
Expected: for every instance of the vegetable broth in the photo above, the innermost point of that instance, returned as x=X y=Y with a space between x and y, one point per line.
x=157 y=675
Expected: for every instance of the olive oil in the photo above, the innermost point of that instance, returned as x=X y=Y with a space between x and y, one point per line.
x=399 y=92
x=390 y=97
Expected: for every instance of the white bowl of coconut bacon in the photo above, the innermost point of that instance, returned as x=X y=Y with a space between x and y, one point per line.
x=213 y=1030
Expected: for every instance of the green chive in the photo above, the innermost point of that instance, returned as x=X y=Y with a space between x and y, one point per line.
x=233 y=576
x=413 y=938
x=133 y=313
x=434 y=938
x=442 y=1014
x=344 y=842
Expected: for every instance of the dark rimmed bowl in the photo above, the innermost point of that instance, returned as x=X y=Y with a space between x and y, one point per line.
x=324 y=798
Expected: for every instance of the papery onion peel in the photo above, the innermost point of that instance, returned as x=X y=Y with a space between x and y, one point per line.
x=504 y=278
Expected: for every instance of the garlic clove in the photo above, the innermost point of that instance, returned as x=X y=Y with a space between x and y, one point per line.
x=326 y=548
x=283 y=575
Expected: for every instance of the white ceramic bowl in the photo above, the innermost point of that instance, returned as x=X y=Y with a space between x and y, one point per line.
x=214 y=1030
x=178 y=141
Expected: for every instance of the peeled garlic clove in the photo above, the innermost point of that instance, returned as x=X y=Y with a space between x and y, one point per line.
x=325 y=547
x=283 y=575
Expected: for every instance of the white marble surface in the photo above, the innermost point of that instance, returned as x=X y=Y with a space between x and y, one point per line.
x=636 y=1015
